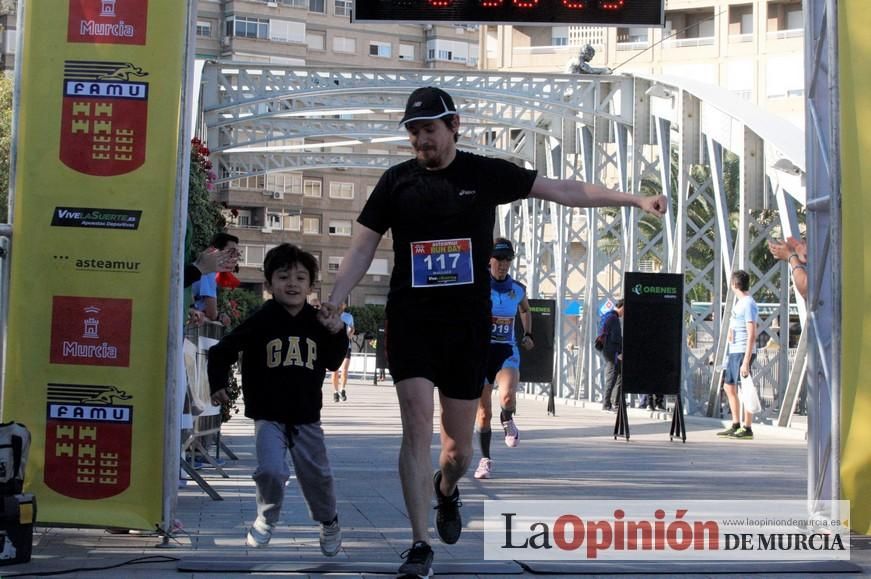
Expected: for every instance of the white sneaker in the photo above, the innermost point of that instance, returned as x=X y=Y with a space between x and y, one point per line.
x=259 y=534
x=331 y=538
x=512 y=435
x=483 y=470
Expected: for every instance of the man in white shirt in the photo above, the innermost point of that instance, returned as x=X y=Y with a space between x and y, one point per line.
x=741 y=353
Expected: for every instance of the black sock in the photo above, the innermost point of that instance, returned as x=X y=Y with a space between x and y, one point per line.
x=485 y=435
x=505 y=415
x=735 y=425
x=328 y=523
x=748 y=428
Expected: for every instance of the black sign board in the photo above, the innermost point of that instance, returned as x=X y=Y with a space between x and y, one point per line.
x=652 y=333
x=536 y=365
x=544 y=12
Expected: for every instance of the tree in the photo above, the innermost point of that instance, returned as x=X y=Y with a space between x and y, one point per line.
x=367 y=319
x=204 y=214
x=5 y=144
x=238 y=303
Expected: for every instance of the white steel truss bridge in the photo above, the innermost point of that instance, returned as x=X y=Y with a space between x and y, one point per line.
x=734 y=177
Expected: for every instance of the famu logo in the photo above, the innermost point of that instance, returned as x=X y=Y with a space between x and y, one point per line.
x=88 y=440
x=104 y=117
x=642 y=290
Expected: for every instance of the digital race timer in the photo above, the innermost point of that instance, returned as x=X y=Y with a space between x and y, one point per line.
x=601 y=12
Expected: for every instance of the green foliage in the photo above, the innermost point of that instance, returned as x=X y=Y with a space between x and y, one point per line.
x=5 y=143
x=238 y=303
x=205 y=215
x=366 y=319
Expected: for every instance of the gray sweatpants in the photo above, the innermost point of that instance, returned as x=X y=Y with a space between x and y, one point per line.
x=310 y=462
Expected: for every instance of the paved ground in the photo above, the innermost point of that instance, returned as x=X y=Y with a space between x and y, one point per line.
x=570 y=456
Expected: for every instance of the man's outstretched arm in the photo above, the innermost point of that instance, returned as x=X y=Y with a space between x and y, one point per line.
x=581 y=194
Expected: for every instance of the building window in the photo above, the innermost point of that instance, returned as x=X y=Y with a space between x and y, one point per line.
x=406 y=51
x=243 y=219
x=343 y=7
x=379 y=49
x=316 y=40
x=316 y=6
x=340 y=190
x=284 y=182
x=334 y=263
x=248 y=27
x=311 y=188
x=273 y=220
x=559 y=36
x=251 y=255
x=291 y=222
x=311 y=225
x=293 y=3
x=257 y=182
x=741 y=20
x=286 y=31
x=344 y=44
x=340 y=227
x=204 y=29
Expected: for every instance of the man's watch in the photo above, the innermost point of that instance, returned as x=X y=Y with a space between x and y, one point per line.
x=527 y=335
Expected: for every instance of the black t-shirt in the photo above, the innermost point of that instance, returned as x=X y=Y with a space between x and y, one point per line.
x=442 y=223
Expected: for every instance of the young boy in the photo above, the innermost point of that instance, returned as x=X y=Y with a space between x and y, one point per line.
x=287 y=346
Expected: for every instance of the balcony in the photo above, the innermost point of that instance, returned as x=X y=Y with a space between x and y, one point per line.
x=691 y=42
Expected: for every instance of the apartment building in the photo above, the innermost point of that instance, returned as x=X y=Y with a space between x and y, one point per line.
x=317 y=209
x=753 y=48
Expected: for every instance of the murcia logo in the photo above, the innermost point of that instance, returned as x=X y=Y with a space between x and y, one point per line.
x=91 y=331
x=638 y=289
x=107 y=21
x=88 y=440
x=464 y=192
x=104 y=117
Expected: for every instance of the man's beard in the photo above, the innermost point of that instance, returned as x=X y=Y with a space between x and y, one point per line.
x=428 y=162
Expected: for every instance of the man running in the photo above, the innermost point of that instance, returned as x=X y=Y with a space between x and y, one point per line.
x=508 y=297
x=441 y=210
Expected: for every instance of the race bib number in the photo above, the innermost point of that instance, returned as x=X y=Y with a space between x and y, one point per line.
x=501 y=329
x=441 y=263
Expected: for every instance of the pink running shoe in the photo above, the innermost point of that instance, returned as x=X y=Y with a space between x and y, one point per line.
x=512 y=435
x=483 y=470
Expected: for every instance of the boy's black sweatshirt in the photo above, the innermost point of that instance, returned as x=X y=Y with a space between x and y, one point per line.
x=284 y=361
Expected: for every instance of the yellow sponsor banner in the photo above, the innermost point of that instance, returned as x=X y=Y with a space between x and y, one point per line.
x=854 y=21
x=99 y=115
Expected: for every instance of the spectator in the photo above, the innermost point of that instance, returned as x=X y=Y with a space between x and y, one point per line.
x=613 y=354
x=794 y=253
x=205 y=290
x=741 y=353
x=287 y=347
x=339 y=392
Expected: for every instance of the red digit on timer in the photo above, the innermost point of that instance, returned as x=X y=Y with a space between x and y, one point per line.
x=611 y=4
x=439 y=3
x=573 y=4
x=525 y=3
x=491 y=3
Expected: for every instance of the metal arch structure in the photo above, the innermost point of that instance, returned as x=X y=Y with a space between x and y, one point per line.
x=694 y=143
x=822 y=115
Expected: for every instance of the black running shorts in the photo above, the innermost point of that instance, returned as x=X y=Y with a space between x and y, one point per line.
x=452 y=354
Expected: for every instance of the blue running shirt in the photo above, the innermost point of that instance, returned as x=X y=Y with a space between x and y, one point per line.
x=505 y=295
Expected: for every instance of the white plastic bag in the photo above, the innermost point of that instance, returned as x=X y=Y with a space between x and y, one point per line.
x=749 y=396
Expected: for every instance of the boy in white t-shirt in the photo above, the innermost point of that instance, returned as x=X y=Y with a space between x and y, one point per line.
x=741 y=352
